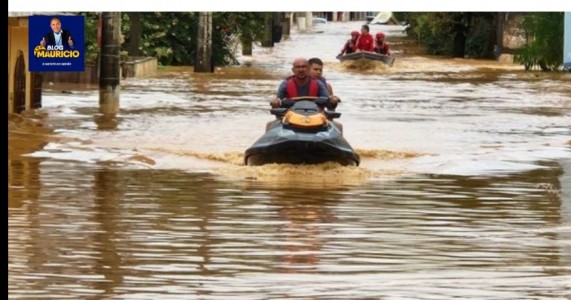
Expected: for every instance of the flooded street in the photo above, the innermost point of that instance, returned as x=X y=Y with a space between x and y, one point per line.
x=464 y=187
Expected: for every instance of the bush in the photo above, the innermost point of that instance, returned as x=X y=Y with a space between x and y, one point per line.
x=545 y=41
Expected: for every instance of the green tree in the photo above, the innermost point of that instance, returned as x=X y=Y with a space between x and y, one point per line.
x=544 y=49
x=457 y=34
x=171 y=36
x=90 y=38
x=233 y=26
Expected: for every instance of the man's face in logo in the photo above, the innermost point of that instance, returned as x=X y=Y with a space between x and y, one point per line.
x=56 y=25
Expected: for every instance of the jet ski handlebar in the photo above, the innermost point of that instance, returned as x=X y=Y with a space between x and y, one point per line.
x=289 y=102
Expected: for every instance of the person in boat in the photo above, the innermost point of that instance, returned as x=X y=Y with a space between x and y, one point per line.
x=351 y=44
x=381 y=46
x=365 y=41
x=316 y=72
x=300 y=85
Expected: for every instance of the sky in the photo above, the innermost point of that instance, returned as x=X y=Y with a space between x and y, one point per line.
x=290 y=5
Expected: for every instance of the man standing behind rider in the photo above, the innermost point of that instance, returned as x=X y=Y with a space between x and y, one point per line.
x=300 y=84
x=316 y=72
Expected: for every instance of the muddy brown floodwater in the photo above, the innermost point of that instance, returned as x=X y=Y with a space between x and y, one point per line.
x=463 y=190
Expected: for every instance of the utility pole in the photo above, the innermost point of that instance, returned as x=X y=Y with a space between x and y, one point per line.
x=135 y=33
x=247 y=44
x=109 y=79
x=204 y=63
x=500 y=20
x=277 y=29
x=308 y=20
x=267 y=40
x=285 y=22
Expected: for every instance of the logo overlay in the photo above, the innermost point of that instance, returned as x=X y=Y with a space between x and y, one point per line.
x=56 y=43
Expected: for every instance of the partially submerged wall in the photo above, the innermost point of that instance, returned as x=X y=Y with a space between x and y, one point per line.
x=134 y=67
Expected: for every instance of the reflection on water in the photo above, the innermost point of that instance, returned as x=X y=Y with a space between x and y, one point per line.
x=23 y=181
x=463 y=189
x=306 y=215
x=151 y=233
x=106 y=121
x=27 y=133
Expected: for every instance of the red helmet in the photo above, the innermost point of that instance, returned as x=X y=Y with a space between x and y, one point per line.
x=355 y=33
x=380 y=35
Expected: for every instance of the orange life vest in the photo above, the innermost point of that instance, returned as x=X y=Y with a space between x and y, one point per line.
x=292 y=88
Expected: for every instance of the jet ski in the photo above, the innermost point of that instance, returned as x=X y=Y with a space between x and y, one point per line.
x=304 y=133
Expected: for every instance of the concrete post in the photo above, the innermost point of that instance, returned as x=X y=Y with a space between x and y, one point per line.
x=247 y=45
x=109 y=79
x=267 y=40
x=135 y=32
x=308 y=20
x=285 y=22
x=301 y=23
x=500 y=19
x=277 y=29
x=204 y=63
